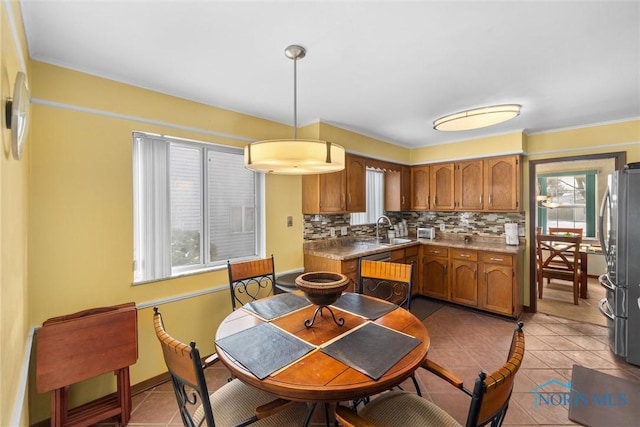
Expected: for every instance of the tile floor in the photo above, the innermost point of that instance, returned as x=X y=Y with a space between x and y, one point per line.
x=466 y=342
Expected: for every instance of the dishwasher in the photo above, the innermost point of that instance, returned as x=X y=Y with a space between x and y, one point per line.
x=380 y=256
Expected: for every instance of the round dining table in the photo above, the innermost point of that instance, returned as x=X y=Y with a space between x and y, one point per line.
x=317 y=376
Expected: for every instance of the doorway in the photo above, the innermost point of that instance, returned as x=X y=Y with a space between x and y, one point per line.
x=605 y=163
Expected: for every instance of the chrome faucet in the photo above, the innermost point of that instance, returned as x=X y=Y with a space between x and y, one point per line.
x=383 y=217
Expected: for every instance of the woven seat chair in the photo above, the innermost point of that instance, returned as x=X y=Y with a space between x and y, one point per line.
x=233 y=404
x=489 y=398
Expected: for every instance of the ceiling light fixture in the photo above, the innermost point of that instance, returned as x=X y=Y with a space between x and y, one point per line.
x=477 y=118
x=294 y=156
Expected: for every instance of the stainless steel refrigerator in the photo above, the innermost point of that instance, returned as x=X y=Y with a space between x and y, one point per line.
x=619 y=231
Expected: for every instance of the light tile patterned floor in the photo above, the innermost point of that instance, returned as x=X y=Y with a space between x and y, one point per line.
x=466 y=342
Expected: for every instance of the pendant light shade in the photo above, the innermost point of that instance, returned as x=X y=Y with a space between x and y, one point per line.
x=294 y=156
x=477 y=118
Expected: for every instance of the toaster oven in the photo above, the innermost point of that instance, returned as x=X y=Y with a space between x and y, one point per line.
x=426 y=233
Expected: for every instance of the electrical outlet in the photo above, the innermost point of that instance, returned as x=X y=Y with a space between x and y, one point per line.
x=332 y=231
x=289 y=221
x=442 y=227
x=344 y=230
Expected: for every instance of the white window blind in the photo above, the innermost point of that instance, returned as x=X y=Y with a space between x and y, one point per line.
x=375 y=199
x=195 y=207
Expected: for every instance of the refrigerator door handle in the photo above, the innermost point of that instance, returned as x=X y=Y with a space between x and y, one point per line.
x=605 y=283
x=606 y=202
x=607 y=310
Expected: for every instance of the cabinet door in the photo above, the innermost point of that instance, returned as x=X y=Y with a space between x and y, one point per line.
x=420 y=188
x=468 y=183
x=497 y=288
x=413 y=259
x=405 y=188
x=332 y=199
x=442 y=187
x=464 y=282
x=435 y=278
x=392 y=191
x=356 y=188
x=502 y=184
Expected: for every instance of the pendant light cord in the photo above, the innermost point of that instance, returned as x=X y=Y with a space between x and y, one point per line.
x=295 y=98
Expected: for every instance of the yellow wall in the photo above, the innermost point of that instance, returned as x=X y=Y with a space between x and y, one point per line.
x=81 y=229
x=14 y=180
x=511 y=143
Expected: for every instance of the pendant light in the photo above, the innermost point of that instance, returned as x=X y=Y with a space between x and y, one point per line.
x=294 y=156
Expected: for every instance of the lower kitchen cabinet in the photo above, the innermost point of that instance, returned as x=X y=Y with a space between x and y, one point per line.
x=482 y=279
x=498 y=283
x=434 y=272
x=464 y=277
x=347 y=267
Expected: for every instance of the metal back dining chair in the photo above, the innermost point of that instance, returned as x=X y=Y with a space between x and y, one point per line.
x=558 y=258
x=235 y=403
x=389 y=281
x=489 y=398
x=251 y=280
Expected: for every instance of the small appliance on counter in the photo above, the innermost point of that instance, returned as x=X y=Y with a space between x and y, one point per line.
x=511 y=233
x=426 y=233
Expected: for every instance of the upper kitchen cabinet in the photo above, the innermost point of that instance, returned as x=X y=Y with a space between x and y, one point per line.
x=336 y=192
x=468 y=185
x=420 y=188
x=442 y=187
x=356 y=193
x=502 y=181
x=397 y=189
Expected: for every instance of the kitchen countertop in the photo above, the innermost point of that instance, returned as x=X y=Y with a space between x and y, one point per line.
x=343 y=249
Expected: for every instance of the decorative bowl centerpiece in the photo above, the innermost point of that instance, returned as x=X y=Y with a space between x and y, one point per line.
x=322 y=288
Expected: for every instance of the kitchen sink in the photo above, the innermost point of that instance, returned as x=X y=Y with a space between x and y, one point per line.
x=397 y=241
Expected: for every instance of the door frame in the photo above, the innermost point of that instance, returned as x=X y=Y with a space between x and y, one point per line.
x=620 y=159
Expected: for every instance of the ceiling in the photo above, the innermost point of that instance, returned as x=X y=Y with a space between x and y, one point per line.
x=386 y=69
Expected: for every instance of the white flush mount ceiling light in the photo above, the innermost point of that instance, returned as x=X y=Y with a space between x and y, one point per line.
x=294 y=156
x=477 y=118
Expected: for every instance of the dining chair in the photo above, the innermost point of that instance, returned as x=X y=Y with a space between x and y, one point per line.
x=233 y=404
x=251 y=280
x=558 y=258
x=489 y=398
x=390 y=281
x=568 y=231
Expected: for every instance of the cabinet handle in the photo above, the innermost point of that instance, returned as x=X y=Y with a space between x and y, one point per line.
x=497 y=259
x=475 y=273
x=486 y=277
x=403 y=200
x=464 y=256
x=349 y=198
x=490 y=200
x=481 y=200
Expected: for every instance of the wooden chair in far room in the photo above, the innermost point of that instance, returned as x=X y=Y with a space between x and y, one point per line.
x=489 y=398
x=566 y=231
x=558 y=257
x=251 y=280
x=389 y=281
x=235 y=403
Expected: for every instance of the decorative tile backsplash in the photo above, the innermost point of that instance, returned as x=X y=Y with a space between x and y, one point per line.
x=318 y=227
